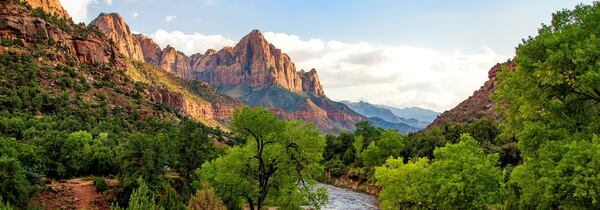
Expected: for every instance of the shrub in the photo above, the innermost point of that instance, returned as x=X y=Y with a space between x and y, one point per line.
x=206 y=199
x=100 y=184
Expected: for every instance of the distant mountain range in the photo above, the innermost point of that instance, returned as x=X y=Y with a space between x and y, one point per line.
x=403 y=119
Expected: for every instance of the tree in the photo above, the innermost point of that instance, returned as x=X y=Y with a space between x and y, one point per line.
x=551 y=101
x=404 y=185
x=278 y=156
x=461 y=176
x=193 y=148
x=390 y=144
x=144 y=156
x=142 y=198
x=14 y=186
x=206 y=199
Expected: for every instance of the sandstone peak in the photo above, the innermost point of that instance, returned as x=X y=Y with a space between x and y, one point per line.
x=49 y=6
x=311 y=83
x=114 y=27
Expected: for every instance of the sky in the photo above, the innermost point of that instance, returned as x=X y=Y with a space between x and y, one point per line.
x=430 y=53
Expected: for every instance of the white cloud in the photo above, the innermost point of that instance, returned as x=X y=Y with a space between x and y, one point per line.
x=170 y=18
x=78 y=9
x=393 y=75
x=190 y=44
x=135 y=14
x=211 y=2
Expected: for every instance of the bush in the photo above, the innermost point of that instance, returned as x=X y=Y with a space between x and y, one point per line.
x=206 y=198
x=100 y=184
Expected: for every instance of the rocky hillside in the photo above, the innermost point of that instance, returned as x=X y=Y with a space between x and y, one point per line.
x=253 y=71
x=480 y=104
x=52 y=7
x=90 y=58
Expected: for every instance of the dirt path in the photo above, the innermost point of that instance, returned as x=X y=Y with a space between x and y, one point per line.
x=78 y=193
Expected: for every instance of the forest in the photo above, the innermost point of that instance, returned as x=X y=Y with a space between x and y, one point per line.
x=543 y=152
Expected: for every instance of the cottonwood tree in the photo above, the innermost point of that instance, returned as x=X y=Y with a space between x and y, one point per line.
x=275 y=167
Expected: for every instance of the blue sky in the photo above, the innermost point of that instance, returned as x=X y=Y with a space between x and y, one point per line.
x=431 y=53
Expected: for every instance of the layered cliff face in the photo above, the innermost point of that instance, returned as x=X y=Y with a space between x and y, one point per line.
x=311 y=83
x=257 y=73
x=114 y=28
x=480 y=104
x=253 y=61
x=150 y=50
x=136 y=86
x=49 y=6
x=91 y=48
x=174 y=62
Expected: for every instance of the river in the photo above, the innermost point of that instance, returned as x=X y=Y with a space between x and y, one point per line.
x=344 y=199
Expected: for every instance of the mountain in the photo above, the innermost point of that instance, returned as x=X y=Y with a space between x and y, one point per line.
x=480 y=104
x=254 y=72
x=386 y=114
x=420 y=114
x=89 y=58
x=115 y=29
x=402 y=127
x=52 y=7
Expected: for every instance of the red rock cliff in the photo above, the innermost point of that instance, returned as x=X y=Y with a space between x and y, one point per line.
x=114 y=28
x=49 y=6
x=17 y=22
x=477 y=106
x=253 y=61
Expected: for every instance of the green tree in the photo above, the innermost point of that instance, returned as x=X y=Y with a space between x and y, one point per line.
x=390 y=144
x=551 y=101
x=193 y=148
x=146 y=157
x=14 y=186
x=461 y=176
x=277 y=157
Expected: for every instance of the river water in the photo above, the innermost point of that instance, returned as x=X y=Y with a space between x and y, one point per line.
x=344 y=199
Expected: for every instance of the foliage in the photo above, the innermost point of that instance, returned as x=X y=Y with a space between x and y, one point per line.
x=171 y=200
x=268 y=168
x=461 y=176
x=100 y=184
x=390 y=144
x=144 y=156
x=552 y=105
x=5 y=206
x=206 y=199
x=142 y=198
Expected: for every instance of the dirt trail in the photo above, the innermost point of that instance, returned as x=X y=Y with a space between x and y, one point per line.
x=78 y=193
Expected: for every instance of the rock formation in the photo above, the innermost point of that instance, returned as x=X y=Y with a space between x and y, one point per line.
x=479 y=105
x=74 y=45
x=150 y=50
x=311 y=83
x=253 y=71
x=253 y=61
x=17 y=22
x=49 y=6
x=114 y=28
x=174 y=62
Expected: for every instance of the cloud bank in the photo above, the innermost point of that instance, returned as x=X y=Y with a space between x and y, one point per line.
x=190 y=43
x=78 y=9
x=399 y=76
